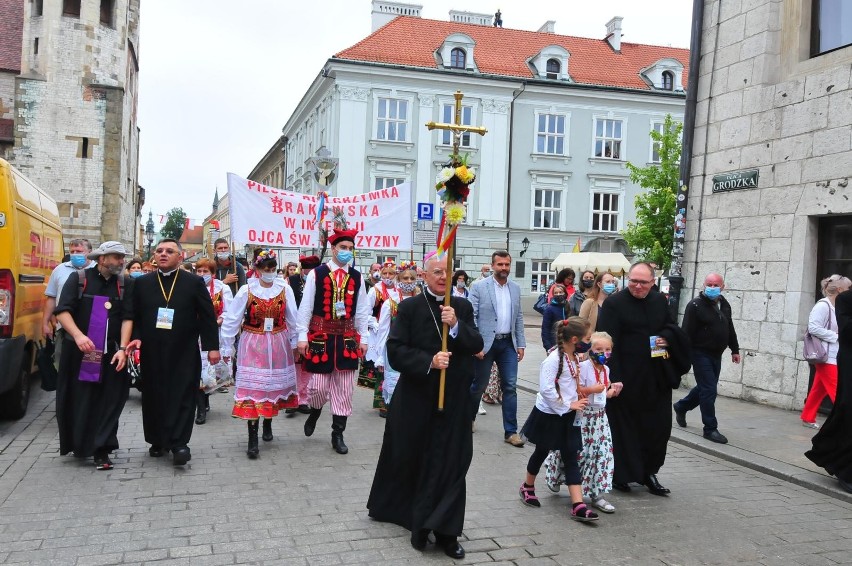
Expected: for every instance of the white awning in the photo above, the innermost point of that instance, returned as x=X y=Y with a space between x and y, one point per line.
x=598 y=262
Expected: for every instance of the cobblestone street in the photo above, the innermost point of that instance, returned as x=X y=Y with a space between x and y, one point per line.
x=301 y=503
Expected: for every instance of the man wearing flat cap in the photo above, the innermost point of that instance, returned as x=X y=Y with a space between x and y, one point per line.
x=297 y=283
x=332 y=334
x=96 y=310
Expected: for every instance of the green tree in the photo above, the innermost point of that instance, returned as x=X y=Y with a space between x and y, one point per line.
x=652 y=235
x=175 y=223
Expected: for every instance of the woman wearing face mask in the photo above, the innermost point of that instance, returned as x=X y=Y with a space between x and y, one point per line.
x=264 y=309
x=587 y=282
x=604 y=287
x=407 y=286
x=459 y=282
x=369 y=376
x=556 y=310
x=221 y=296
x=134 y=268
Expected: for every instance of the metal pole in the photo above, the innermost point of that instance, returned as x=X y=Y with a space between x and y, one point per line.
x=676 y=270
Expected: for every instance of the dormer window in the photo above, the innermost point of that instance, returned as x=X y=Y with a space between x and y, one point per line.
x=457 y=52
x=458 y=58
x=550 y=63
x=553 y=69
x=665 y=74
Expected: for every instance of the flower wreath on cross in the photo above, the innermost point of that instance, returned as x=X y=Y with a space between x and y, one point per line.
x=453 y=186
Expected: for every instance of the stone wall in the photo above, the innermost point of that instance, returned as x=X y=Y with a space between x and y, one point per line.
x=75 y=131
x=764 y=104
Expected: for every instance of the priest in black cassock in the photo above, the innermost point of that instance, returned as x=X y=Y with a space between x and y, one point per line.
x=420 y=477
x=640 y=416
x=172 y=309
x=832 y=445
x=96 y=310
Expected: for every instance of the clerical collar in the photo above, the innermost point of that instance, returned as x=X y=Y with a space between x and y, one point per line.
x=167 y=273
x=434 y=296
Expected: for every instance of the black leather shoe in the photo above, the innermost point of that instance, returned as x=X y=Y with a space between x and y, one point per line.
x=181 y=456
x=338 y=444
x=311 y=423
x=716 y=436
x=201 y=417
x=680 y=416
x=419 y=539
x=304 y=409
x=267 y=430
x=155 y=452
x=454 y=550
x=625 y=487
x=655 y=487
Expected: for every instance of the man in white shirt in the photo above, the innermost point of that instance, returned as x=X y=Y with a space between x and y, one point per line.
x=78 y=250
x=497 y=311
x=332 y=333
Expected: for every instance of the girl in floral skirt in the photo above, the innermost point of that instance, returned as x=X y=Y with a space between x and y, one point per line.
x=265 y=310
x=596 y=463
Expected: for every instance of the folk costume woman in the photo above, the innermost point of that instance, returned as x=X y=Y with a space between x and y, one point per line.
x=265 y=310
x=386 y=384
x=369 y=375
x=221 y=296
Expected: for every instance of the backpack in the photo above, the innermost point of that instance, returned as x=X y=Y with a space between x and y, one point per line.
x=82 y=282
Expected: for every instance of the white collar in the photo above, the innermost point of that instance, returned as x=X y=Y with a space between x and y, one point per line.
x=167 y=274
x=433 y=295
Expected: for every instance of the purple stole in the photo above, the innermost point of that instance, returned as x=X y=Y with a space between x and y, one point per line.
x=90 y=368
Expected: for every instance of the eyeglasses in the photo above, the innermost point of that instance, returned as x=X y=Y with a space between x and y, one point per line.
x=639 y=282
x=439 y=272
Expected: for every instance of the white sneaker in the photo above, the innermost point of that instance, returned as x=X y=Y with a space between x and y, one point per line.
x=481 y=410
x=552 y=486
x=603 y=505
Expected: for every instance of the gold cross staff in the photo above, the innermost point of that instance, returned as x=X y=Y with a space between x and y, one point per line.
x=457 y=128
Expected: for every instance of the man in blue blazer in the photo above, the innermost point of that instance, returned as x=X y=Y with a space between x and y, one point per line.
x=497 y=312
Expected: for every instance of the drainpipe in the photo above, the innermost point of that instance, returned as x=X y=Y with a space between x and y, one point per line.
x=675 y=272
x=515 y=96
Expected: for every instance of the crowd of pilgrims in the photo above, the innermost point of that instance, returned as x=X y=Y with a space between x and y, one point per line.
x=298 y=338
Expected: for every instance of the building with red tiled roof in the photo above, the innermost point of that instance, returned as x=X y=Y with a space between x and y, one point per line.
x=564 y=115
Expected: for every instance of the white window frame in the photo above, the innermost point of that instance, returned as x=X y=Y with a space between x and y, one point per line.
x=619 y=214
x=565 y=134
x=383 y=181
x=560 y=209
x=536 y=283
x=378 y=119
x=656 y=125
x=445 y=137
x=622 y=140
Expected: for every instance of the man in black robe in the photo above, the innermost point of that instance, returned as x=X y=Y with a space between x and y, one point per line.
x=420 y=477
x=832 y=445
x=172 y=309
x=97 y=315
x=640 y=416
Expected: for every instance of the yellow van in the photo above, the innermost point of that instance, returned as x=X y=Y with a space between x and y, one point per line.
x=30 y=247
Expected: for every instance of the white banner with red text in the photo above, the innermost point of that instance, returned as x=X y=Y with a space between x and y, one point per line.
x=272 y=217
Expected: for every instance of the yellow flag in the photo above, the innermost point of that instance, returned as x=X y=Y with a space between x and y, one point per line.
x=576 y=249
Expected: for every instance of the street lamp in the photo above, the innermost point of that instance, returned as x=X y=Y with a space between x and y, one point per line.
x=149 y=232
x=526 y=243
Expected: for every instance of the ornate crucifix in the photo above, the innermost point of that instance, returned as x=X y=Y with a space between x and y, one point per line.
x=452 y=199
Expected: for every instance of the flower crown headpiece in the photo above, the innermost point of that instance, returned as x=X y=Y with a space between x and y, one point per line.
x=406 y=266
x=263 y=256
x=388 y=264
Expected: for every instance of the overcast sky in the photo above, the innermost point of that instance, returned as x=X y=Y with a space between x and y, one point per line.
x=218 y=79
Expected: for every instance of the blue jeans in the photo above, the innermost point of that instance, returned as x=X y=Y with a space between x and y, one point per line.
x=503 y=353
x=706 y=368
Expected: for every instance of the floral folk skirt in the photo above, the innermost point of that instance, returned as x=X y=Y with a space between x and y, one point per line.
x=266 y=376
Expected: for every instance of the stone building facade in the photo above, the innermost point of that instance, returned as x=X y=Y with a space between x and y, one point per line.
x=75 y=132
x=773 y=96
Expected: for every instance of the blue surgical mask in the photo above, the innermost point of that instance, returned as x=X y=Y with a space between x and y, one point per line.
x=712 y=293
x=582 y=347
x=79 y=260
x=135 y=274
x=609 y=288
x=344 y=257
x=600 y=357
x=207 y=278
x=267 y=277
